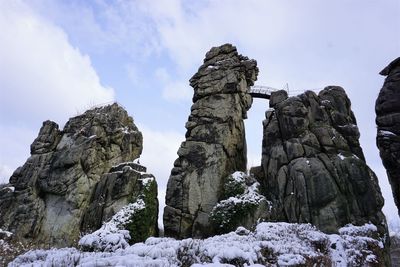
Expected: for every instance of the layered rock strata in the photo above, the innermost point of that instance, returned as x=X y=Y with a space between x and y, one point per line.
x=215 y=143
x=53 y=190
x=388 y=121
x=313 y=168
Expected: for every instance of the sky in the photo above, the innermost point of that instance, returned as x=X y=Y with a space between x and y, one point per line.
x=59 y=58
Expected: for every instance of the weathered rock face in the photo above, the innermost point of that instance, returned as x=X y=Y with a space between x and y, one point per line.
x=241 y=204
x=215 y=145
x=125 y=183
x=388 y=121
x=313 y=168
x=67 y=171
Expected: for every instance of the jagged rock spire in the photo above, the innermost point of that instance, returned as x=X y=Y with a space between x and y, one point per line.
x=215 y=143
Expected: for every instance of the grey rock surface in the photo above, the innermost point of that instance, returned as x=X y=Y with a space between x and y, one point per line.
x=241 y=206
x=124 y=184
x=313 y=168
x=387 y=110
x=215 y=143
x=53 y=189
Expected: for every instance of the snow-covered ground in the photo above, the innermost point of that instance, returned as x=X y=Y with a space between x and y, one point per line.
x=271 y=244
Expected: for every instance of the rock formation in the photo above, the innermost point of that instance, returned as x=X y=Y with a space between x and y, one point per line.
x=70 y=171
x=125 y=183
x=313 y=168
x=241 y=205
x=215 y=145
x=387 y=110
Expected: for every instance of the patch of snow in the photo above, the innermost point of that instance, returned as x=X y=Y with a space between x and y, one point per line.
x=147 y=181
x=5 y=233
x=111 y=236
x=251 y=196
x=270 y=244
x=126 y=130
x=239 y=176
x=386 y=133
x=9 y=189
x=212 y=67
x=357 y=230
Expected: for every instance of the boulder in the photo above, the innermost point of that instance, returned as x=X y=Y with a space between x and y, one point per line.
x=215 y=144
x=68 y=171
x=125 y=183
x=313 y=169
x=387 y=110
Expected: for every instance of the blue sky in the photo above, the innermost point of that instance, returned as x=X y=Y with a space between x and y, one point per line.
x=58 y=58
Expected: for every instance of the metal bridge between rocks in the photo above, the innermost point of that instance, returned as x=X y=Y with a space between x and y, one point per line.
x=262 y=91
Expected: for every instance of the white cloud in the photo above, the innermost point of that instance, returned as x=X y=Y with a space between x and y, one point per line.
x=42 y=77
x=41 y=74
x=103 y=26
x=173 y=90
x=177 y=91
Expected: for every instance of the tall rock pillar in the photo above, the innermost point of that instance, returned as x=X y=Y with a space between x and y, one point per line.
x=215 y=143
x=388 y=121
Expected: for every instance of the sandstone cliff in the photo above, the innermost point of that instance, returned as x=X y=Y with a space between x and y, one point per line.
x=215 y=145
x=69 y=185
x=313 y=168
x=388 y=121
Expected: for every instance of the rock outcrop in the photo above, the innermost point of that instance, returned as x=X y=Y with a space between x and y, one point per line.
x=313 y=168
x=215 y=145
x=69 y=172
x=125 y=183
x=387 y=110
x=241 y=205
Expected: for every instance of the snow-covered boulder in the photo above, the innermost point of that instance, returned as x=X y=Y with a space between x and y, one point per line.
x=241 y=205
x=271 y=244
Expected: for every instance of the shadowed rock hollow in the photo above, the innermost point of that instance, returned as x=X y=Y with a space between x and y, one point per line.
x=215 y=145
x=388 y=121
x=71 y=170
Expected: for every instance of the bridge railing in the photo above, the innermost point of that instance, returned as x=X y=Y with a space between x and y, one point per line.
x=266 y=90
x=260 y=89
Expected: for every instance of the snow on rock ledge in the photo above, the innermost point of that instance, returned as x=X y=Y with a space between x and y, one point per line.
x=271 y=244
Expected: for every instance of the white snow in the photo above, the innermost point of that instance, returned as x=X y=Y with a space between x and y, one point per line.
x=342 y=157
x=126 y=130
x=386 y=133
x=111 y=236
x=270 y=244
x=239 y=177
x=212 y=67
x=5 y=233
x=9 y=189
x=147 y=181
